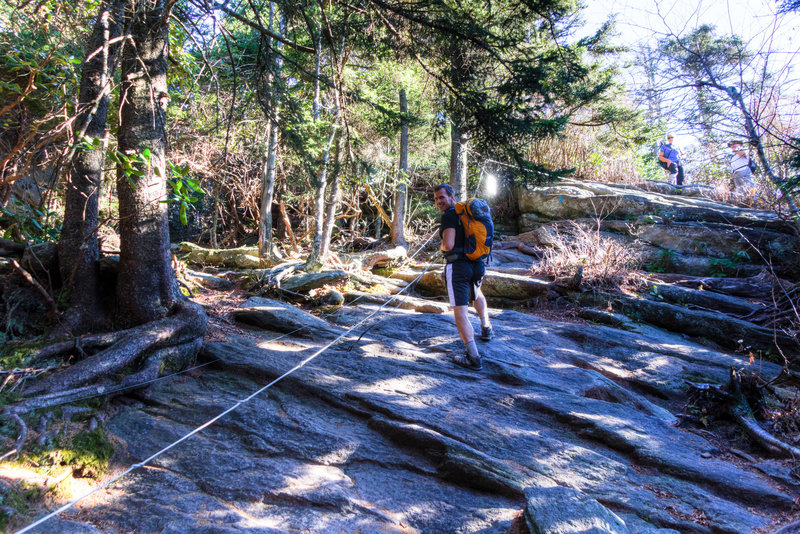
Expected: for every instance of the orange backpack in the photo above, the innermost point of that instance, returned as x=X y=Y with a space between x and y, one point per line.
x=476 y=219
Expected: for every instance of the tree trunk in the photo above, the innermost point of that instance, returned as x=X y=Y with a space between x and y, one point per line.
x=317 y=67
x=215 y=217
x=146 y=288
x=333 y=189
x=265 y=250
x=332 y=203
x=399 y=220
x=458 y=161
x=314 y=261
x=78 y=247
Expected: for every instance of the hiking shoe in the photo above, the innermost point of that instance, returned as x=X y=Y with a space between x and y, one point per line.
x=487 y=333
x=465 y=360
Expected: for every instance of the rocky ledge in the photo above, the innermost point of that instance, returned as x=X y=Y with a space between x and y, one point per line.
x=568 y=428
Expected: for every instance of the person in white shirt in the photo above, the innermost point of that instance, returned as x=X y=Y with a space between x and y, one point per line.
x=742 y=168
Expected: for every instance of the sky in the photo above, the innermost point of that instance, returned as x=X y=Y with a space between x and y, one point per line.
x=647 y=21
x=752 y=19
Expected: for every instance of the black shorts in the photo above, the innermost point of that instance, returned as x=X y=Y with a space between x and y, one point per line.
x=462 y=280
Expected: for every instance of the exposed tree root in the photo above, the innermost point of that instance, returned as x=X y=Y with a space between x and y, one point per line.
x=170 y=358
x=171 y=341
x=23 y=432
x=51 y=305
x=81 y=344
x=740 y=410
x=732 y=401
x=791 y=528
x=10 y=248
x=58 y=398
x=727 y=331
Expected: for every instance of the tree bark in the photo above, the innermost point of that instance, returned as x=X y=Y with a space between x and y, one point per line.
x=399 y=215
x=314 y=262
x=265 y=250
x=458 y=161
x=332 y=203
x=146 y=287
x=317 y=67
x=78 y=247
x=288 y=223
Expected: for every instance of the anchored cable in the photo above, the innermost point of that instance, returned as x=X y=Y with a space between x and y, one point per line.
x=219 y=416
x=406 y=261
x=171 y=375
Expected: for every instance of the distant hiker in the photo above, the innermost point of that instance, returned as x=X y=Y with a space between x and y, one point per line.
x=462 y=277
x=670 y=158
x=742 y=167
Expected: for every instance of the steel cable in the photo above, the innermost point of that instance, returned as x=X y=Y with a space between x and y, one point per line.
x=219 y=416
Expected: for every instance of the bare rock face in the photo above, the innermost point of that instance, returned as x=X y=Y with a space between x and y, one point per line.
x=572 y=199
x=569 y=425
x=567 y=428
x=560 y=510
x=682 y=227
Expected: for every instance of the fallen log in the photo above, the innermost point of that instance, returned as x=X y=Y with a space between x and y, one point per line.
x=240 y=258
x=530 y=251
x=305 y=282
x=369 y=279
x=495 y=284
x=367 y=261
x=404 y=302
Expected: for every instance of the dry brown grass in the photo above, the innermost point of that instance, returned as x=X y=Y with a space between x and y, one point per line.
x=592 y=159
x=605 y=262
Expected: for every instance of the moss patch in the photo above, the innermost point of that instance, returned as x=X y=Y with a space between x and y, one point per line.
x=17 y=354
x=86 y=453
x=20 y=498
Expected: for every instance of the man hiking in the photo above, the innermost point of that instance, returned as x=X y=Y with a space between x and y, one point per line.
x=462 y=278
x=670 y=156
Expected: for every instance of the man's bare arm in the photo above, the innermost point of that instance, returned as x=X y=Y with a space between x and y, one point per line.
x=448 y=239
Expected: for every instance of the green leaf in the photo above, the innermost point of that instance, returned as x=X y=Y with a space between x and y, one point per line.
x=194 y=185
